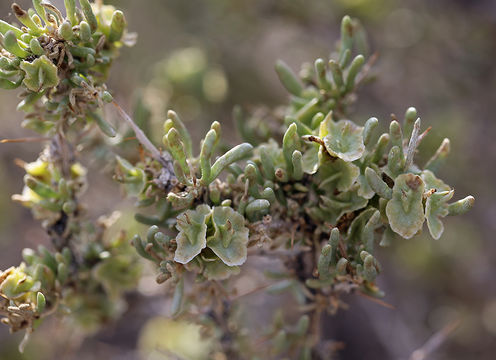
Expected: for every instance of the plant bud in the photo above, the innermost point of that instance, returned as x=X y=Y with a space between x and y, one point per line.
x=117 y=26
x=25 y=19
x=40 y=302
x=89 y=15
x=70 y=8
x=36 y=48
x=11 y=45
x=355 y=67
x=288 y=78
x=65 y=30
x=105 y=126
x=84 y=31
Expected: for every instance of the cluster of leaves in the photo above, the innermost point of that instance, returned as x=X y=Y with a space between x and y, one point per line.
x=47 y=192
x=316 y=191
x=328 y=173
x=61 y=64
x=90 y=291
x=88 y=272
x=330 y=187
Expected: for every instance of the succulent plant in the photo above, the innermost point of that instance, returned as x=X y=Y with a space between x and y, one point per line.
x=61 y=64
x=331 y=186
x=314 y=193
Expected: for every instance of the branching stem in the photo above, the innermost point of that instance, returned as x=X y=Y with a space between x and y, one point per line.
x=163 y=158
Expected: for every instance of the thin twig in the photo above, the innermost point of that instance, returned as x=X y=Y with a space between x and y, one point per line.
x=22 y=140
x=435 y=341
x=253 y=291
x=377 y=301
x=421 y=136
x=163 y=159
x=316 y=323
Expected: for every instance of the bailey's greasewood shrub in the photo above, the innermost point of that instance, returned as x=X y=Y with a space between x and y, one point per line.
x=314 y=191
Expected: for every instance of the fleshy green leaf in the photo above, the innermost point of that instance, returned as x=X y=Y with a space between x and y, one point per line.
x=290 y=143
x=436 y=208
x=229 y=242
x=16 y=283
x=405 y=210
x=40 y=74
x=310 y=159
x=377 y=184
x=288 y=78
x=358 y=223
x=217 y=270
x=134 y=178
x=192 y=237
x=337 y=174
x=364 y=189
x=89 y=14
x=336 y=206
x=344 y=140
x=237 y=153
x=432 y=182
x=256 y=209
x=117 y=26
x=461 y=206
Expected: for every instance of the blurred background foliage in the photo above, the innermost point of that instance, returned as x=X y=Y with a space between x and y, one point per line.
x=203 y=57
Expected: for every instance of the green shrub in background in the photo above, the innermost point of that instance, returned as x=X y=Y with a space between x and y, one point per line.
x=314 y=191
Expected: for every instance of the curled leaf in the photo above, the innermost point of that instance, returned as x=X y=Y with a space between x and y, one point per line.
x=461 y=206
x=230 y=239
x=344 y=140
x=377 y=184
x=436 y=207
x=218 y=270
x=405 y=210
x=235 y=154
x=192 y=237
x=336 y=206
x=337 y=174
x=40 y=74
